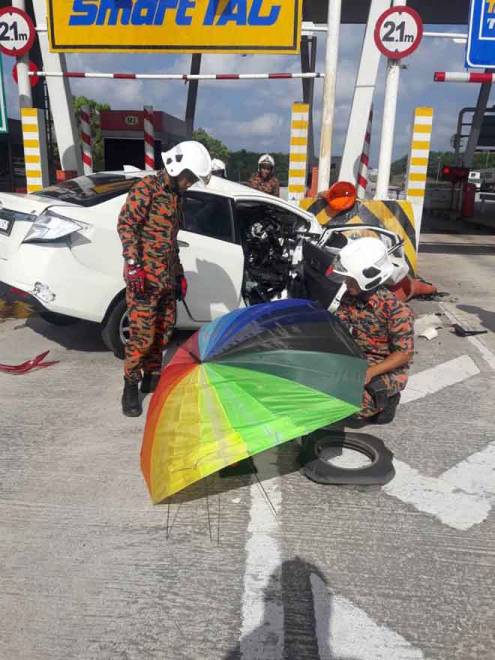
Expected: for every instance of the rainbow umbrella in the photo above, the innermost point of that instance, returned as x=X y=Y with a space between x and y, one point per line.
x=247 y=382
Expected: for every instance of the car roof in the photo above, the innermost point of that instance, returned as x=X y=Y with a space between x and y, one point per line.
x=237 y=191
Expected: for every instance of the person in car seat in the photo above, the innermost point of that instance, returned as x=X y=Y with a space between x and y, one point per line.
x=265 y=179
x=380 y=323
x=148 y=225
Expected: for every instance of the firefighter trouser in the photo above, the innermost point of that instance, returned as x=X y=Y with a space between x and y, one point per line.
x=152 y=319
x=393 y=383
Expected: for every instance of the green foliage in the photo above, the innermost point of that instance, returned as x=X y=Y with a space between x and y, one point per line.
x=216 y=148
x=241 y=164
x=95 y=109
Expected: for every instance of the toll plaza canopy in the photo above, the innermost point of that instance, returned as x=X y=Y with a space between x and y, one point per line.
x=448 y=12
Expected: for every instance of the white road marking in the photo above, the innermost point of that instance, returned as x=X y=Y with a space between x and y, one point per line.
x=346 y=631
x=437 y=378
x=462 y=496
x=262 y=628
x=450 y=503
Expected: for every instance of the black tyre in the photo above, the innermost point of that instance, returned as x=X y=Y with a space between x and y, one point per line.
x=319 y=447
x=115 y=329
x=57 y=319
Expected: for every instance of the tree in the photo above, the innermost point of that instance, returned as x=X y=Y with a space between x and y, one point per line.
x=95 y=109
x=216 y=148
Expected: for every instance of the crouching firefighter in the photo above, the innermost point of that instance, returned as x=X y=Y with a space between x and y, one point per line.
x=148 y=225
x=380 y=323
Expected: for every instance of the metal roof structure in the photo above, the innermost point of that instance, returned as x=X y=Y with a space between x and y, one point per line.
x=434 y=12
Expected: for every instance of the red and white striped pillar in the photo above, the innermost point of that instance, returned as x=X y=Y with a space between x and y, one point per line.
x=149 y=138
x=86 y=141
x=364 y=161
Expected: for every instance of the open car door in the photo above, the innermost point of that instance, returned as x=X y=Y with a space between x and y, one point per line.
x=213 y=262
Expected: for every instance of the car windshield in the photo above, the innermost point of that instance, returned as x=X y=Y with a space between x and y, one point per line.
x=90 y=190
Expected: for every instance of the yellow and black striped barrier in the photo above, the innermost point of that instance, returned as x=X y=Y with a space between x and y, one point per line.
x=394 y=216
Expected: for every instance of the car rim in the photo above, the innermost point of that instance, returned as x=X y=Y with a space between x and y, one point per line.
x=124 y=328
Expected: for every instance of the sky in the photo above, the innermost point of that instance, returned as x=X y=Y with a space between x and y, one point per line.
x=255 y=115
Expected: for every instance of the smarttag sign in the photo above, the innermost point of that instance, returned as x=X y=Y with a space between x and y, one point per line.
x=177 y=26
x=481 y=39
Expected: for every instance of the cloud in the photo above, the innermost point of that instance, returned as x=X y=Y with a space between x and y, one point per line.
x=256 y=114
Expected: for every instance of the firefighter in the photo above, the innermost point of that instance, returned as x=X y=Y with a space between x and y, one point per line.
x=265 y=179
x=148 y=226
x=218 y=168
x=380 y=323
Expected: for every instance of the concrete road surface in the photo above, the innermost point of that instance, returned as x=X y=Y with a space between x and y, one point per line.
x=255 y=567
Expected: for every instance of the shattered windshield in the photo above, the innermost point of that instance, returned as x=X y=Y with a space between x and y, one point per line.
x=90 y=190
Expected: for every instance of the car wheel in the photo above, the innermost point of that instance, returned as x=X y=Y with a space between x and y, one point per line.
x=57 y=319
x=319 y=448
x=115 y=332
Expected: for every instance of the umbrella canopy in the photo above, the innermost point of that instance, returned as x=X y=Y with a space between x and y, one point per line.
x=247 y=382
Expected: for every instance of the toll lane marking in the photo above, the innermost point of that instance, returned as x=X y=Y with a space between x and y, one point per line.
x=438 y=378
x=346 y=631
x=262 y=627
x=462 y=496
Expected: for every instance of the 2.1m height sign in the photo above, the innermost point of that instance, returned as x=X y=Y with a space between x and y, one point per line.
x=481 y=39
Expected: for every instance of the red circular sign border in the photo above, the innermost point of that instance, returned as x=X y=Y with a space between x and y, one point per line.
x=34 y=80
x=32 y=34
x=399 y=10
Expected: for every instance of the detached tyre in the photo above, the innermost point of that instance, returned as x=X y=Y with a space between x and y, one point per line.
x=57 y=319
x=319 y=448
x=115 y=331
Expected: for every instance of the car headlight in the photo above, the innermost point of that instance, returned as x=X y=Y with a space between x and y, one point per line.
x=50 y=226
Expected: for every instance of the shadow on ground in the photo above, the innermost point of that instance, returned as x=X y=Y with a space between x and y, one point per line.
x=307 y=614
x=486 y=317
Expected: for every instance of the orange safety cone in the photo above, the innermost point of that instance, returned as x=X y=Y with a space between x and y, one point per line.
x=411 y=287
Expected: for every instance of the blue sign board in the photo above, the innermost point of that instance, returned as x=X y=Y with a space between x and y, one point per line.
x=481 y=39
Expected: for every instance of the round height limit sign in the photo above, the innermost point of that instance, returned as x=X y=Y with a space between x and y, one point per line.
x=17 y=32
x=398 y=32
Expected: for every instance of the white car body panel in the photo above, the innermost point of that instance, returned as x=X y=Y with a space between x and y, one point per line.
x=86 y=276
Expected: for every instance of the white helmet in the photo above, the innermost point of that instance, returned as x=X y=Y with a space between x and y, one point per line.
x=367 y=261
x=190 y=155
x=218 y=165
x=266 y=158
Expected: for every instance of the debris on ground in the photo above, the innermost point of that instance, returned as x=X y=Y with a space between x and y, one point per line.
x=36 y=363
x=426 y=326
x=467 y=332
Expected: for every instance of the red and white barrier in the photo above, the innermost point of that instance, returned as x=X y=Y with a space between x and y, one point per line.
x=450 y=76
x=86 y=142
x=176 y=76
x=362 y=179
x=149 y=138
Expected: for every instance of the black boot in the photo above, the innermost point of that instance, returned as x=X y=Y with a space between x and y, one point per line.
x=131 y=405
x=387 y=415
x=149 y=383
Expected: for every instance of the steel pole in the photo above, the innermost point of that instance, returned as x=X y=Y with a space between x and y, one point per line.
x=388 y=123
x=24 y=83
x=329 y=93
x=477 y=124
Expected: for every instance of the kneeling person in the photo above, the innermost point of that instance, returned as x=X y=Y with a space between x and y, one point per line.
x=381 y=324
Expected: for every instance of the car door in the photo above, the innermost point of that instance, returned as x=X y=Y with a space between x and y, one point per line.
x=212 y=259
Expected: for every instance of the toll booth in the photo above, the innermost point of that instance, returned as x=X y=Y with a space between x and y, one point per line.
x=12 y=168
x=123 y=136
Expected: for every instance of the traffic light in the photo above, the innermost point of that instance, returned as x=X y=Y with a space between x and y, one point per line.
x=455 y=174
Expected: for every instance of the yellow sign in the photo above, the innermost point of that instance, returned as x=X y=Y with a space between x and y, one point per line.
x=175 y=26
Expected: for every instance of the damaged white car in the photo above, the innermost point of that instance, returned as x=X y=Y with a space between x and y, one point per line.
x=238 y=247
